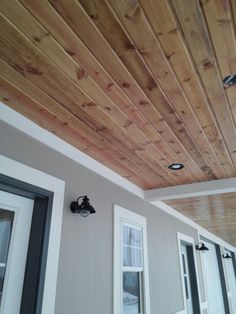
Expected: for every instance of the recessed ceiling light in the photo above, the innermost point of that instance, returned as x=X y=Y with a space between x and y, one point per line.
x=176 y=166
x=230 y=80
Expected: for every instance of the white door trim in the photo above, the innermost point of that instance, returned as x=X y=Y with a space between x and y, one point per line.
x=38 y=178
x=183 y=237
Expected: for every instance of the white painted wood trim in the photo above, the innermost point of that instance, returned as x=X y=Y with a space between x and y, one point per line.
x=180 y=236
x=28 y=127
x=123 y=215
x=204 y=306
x=190 y=240
x=29 y=175
x=205 y=303
x=193 y=189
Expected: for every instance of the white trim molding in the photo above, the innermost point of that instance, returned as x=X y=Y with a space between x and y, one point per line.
x=35 y=177
x=191 y=190
x=181 y=237
x=123 y=216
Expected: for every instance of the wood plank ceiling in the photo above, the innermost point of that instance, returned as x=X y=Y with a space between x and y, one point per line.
x=216 y=213
x=137 y=85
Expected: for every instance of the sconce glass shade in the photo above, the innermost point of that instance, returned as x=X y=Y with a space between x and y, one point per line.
x=202 y=247
x=84 y=208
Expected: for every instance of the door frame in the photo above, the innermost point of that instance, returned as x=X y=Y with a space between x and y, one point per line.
x=42 y=260
x=181 y=237
x=218 y=249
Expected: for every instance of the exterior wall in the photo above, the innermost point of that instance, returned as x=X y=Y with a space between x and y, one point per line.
x=85 y=280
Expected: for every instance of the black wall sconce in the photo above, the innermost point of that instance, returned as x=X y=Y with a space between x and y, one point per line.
x=82 y=207
x=226 y=255
x=202 y=247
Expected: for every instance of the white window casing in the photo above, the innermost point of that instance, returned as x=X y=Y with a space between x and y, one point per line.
x=126 y=218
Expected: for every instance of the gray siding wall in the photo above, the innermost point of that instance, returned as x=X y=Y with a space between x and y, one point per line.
x=85 y=279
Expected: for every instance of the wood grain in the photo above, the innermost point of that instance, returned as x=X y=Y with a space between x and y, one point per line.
x=216 y=213
x=136 y=101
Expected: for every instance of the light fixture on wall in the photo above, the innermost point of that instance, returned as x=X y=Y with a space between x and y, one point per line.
x=202 y=247
x=229 y=80
x=226 y=255
x=82 y=206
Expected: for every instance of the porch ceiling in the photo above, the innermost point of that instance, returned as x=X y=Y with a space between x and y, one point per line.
x=216 y=213
x=137 y=85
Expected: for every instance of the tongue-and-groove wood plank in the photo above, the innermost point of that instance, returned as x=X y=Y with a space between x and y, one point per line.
x=121 y=79
x=216 y=213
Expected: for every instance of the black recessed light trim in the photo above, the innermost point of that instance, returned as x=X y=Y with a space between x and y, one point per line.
x=230 y=80
x=176 y=166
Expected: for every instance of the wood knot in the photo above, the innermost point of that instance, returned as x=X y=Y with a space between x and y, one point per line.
x=207 y=63
x=88 y=104
x=126 y=85
x=36 y=38
x=109 y=86
x=143 y=103
x=152 y=85
x=94 y=16
x=33 y=70
x=81 y=74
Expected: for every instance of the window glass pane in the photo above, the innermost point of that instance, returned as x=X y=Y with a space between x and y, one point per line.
x=6 y=218
x=126 y=235
x=126 y=256
x=184 y=266
x=131 y=293
x=135 y=237
x=132 y=247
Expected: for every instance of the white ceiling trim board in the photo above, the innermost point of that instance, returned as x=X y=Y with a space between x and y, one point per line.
x=191 y=190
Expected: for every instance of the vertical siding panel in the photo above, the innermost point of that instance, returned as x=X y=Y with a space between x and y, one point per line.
x=86 y=255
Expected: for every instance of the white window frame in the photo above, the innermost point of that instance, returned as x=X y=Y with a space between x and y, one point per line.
x=124 y=216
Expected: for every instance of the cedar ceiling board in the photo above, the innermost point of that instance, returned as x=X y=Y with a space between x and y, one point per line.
x=136 y=67
x=136 y=148
x=170 y=37
x=145 y=41
x=53 y=22
x=97 y=44
x=60 y=127
x=216 y=213
x=152 y=53
x=58 y=111
x=220 y=23
x=10 y=12
x=24 y=50
x=193 y=25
